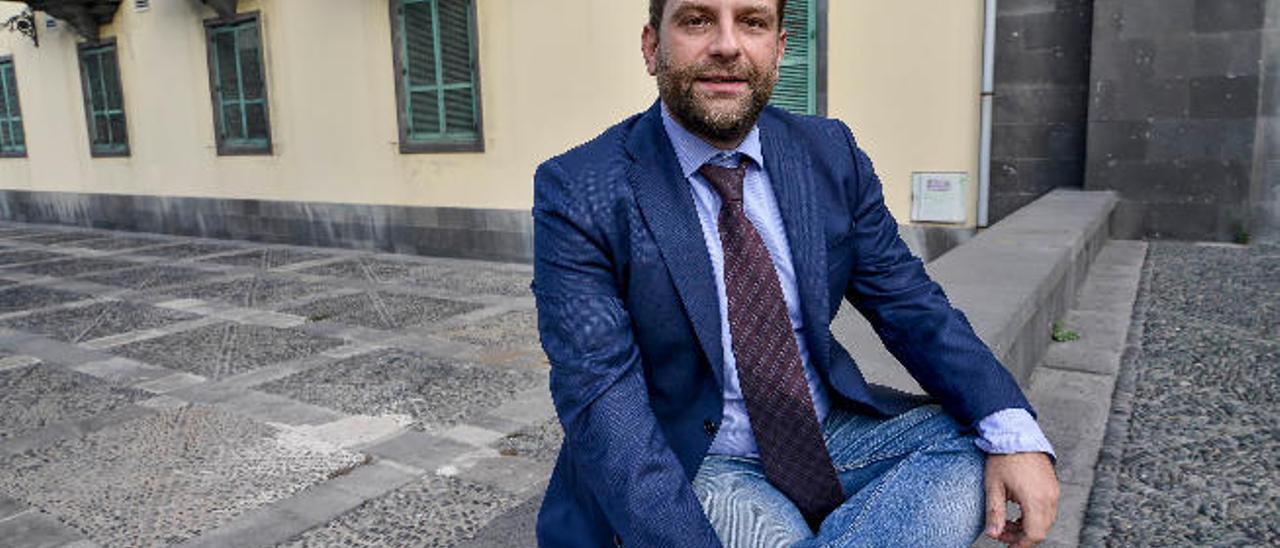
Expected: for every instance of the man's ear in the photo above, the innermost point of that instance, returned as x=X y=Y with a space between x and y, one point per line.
x=649 y=47
x=782 y=45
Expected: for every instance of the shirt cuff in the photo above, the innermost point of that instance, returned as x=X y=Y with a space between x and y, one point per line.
x=1012 y=431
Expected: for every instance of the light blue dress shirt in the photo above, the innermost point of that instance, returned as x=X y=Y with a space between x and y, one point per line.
x=1005 y=431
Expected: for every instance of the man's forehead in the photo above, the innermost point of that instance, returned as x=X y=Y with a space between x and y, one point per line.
x=674 y=6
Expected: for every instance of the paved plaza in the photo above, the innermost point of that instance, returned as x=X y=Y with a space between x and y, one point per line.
x=1192 y=450
x=159 y=391
x=166 y=391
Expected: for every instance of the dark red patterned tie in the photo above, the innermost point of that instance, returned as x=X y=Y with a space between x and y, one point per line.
x=773 y=382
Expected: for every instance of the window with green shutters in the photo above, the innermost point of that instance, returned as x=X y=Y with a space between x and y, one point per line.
x=239 y=86
x=13 y=141
x=797 y=89
x=103 y=100
x=436 y=78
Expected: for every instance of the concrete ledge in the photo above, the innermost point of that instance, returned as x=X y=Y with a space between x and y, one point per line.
x=492 y=234
x=1012 y=280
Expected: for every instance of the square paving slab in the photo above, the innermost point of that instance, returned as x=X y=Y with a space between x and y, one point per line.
x=268 y=258
x=35 y=396
x=255 y=291
x=189 y=249
x=165 y=478
x=381 y=310
x=16 y=256
x=151 y=276
x=430 y=392
x=436 y=511
x=225 y=349
x=72 y=267
x=96 y=320
x=366 y=269
x=474 y=280
x=27 y=297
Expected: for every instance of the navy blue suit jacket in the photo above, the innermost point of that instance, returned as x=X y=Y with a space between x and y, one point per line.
x=628 y=317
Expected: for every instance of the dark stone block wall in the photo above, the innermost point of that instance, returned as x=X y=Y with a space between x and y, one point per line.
x=1041 y=100
x=1174 y=114
x=1266 y=174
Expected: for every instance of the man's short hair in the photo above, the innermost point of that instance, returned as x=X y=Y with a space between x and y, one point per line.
x=656 y=7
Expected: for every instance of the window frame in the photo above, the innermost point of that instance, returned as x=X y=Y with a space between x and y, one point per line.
x=89 y=113
x=8 y=59
x=398 y=63
x=226 y=148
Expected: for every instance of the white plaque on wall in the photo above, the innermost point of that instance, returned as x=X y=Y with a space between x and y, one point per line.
x=938 y=197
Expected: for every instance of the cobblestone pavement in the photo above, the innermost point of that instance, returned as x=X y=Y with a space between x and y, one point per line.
x=1192 y=455
x=161 y=391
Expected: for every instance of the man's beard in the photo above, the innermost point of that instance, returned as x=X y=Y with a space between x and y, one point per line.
x=676 y=87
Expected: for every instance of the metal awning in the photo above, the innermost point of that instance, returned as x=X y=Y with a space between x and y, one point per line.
x=224 y=8
x=85 y=16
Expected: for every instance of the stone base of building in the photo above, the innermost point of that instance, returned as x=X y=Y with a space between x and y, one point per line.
x=490 y=234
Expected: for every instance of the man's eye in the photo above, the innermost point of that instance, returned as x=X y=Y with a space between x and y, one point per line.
x=756 y=23
x=697 y=22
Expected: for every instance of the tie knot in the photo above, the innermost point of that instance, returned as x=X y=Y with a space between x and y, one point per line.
x=727 y=181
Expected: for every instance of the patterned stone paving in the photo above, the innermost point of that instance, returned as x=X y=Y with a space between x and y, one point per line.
x=27 y=297
x=165 y=478
x=221 y=350
x=23 y=233
x=71 y=267
x=540 y=443
x=415 y=515
x=16 y=256
x=61 y=238
x=268 y=258
x=365 y=269
x=179 y=432
x=187 y=250
x=253 y=291
x=432 y=393
x=115 y=243
x=475 y=280
x=95 y=320
x=150 y=276
x=36 y=396
x=381 y=309
x=512 y=329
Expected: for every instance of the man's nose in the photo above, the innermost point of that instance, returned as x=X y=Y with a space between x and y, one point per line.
x=725 y=42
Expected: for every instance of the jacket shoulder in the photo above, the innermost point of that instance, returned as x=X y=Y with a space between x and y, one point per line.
x=606 y=149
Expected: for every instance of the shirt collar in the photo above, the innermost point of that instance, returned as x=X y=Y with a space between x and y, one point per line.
x=693 y=152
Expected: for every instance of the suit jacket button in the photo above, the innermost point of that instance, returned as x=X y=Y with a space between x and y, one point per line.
x=617 y=540
x=709 y=427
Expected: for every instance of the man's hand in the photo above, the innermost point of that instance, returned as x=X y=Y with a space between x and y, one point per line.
x=1029 y=480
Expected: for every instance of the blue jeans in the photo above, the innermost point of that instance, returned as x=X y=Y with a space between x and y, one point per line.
x=911 y=480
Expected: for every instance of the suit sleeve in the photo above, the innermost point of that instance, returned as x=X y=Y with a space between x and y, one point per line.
x=597 y=381
x=912 y=315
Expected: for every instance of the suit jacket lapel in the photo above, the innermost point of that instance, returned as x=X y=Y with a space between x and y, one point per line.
x=666 y=202
x=791 y=175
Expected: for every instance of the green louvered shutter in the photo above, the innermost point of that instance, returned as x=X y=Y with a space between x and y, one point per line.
x=240 y=94
x=439 y=77
x=103 y=104
x=12 y=140
x=797 y=76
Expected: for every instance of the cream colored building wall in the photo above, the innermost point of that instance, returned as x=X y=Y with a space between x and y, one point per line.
x=906 y=75
x=554 y=73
